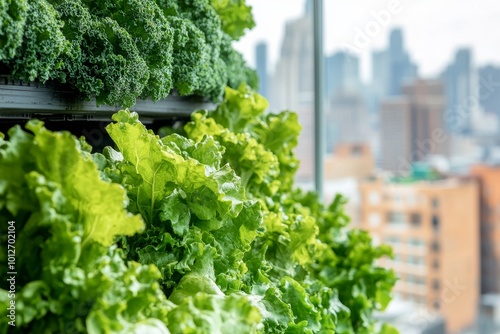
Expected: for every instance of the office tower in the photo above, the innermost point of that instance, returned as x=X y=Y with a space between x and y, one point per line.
x=261 y=64
x=293 y=85
x=489 y=180
x=380 y=80
x=428 y=103
x=489 y=89
x=347 y=119
x=461 y=93
x=395 y=134
x=341 y=74
x=346 y=111
x=432 y=225
x=401 y=69
x=412 y=126
x=391 y=69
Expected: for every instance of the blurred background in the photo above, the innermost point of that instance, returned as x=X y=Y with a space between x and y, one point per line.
x=412 y=117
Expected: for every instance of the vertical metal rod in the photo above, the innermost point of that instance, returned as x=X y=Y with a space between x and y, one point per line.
x=319 y=124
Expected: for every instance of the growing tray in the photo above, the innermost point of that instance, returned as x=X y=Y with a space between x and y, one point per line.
x=21 y=100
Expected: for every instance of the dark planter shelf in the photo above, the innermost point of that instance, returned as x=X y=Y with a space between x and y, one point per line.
x=20 y=100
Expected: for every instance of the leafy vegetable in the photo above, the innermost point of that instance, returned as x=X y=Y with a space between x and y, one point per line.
x=235 y=15
x=119 y=50
x=13 y=18
x=68 y=277
x=280 y=250
x=43 y=43
x=200 y=231
x=305 y=252
x=103 y=60
x=150 y=31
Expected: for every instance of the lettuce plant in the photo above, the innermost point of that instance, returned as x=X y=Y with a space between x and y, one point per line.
x=199 y=231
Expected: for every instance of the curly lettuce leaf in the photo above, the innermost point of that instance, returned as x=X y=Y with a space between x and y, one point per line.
x=70 y=276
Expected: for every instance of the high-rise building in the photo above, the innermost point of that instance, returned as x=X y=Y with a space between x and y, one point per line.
x=380 y=79
x=489 y=89
x=489 y=180
x=395 y=134
x=342 y=74
x=347 y=119
x=401 y=69
x=412 y=125
x=293 y=85
x=432 y=226
x=261 y=64
x=391 y=69
x=461 y=95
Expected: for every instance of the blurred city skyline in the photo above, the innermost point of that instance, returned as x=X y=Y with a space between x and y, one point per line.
x=433 y=30
x=415 y=149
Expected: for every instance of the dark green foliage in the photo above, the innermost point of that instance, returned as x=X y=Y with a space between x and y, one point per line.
x=119 y=50
x=12 y=20
x=191 y=56
x=235 y=64
x=103 y=60
x=43 y=42
x=150 y=31
x=213 y=77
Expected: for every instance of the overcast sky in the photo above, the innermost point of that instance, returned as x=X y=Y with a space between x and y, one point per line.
x=433 y=29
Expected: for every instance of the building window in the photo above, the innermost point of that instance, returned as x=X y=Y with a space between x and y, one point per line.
x=356 y=150
x=436 y=305
x=411 y=199
x=415 y=219
x=374 y=219
x=435 y=246
x=416 y=260
x=435 y=264
x=392 y=240
x=412 y=279
x=435 y=223
x=417 y=243
x=396 y=218
x=435 y=203
x=435 y=285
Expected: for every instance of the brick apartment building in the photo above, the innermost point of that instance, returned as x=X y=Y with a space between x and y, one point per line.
x=489 y=181
x=433 y=228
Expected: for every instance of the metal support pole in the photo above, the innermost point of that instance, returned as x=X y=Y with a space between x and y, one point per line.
x=319 y=124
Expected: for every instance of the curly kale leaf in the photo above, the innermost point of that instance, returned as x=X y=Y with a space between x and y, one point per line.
x=38 y=57
x=191 y=56
x=152 y=34
x=13 y=15
x=103 y=61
